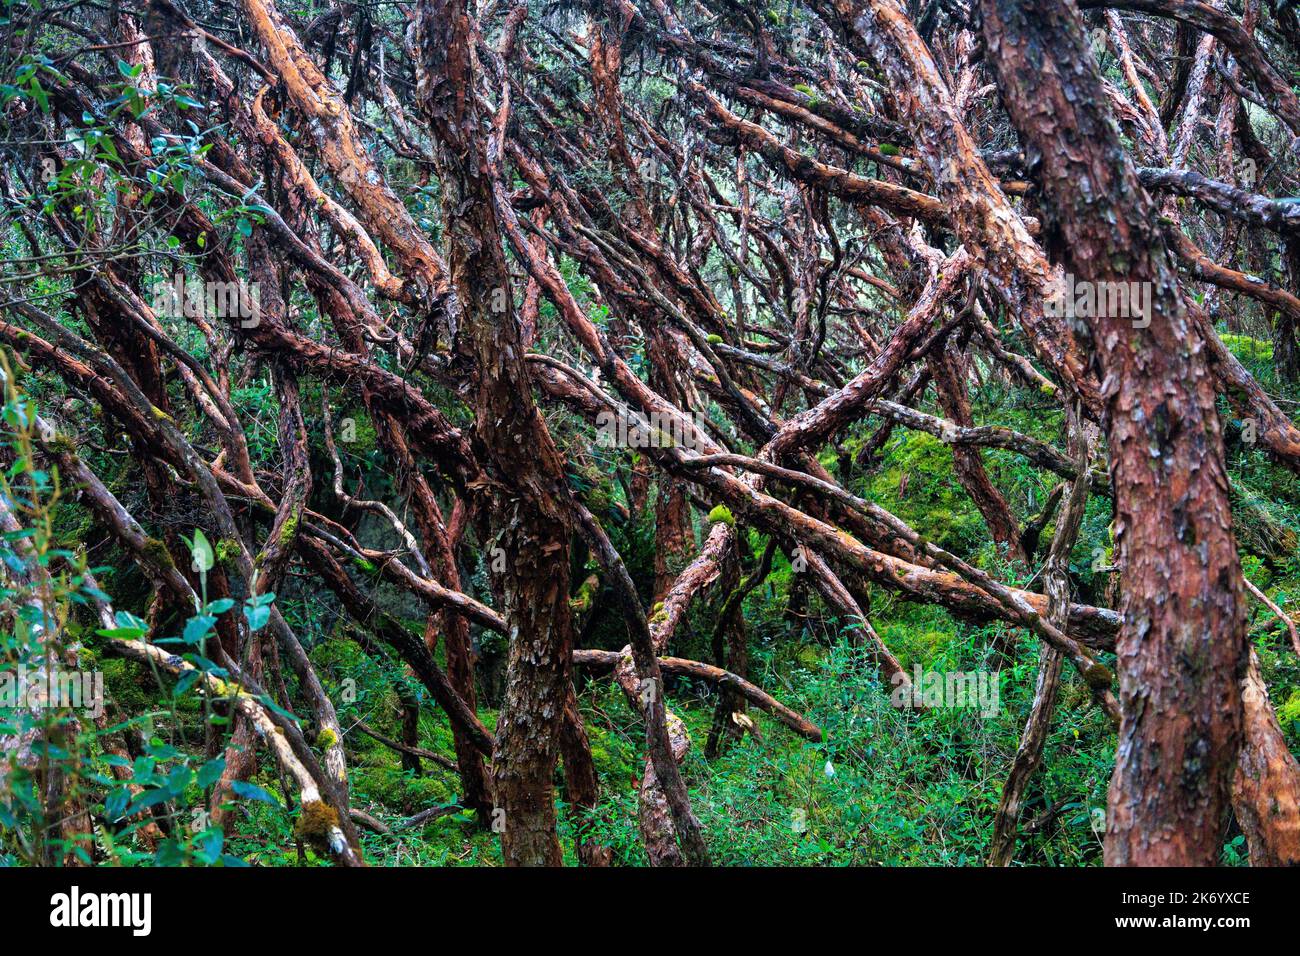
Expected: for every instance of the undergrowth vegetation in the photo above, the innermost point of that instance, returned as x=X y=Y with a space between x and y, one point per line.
x=887 y=786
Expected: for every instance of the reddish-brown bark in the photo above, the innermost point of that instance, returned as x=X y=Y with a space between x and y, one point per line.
x=1181 y=649
x=524 y=503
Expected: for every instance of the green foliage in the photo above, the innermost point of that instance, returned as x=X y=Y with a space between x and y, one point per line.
x=887 y=787
x=917 y=485
x=166 y=777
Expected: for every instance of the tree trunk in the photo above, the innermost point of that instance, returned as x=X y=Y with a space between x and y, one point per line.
x=1181 y=648
x=528 y=550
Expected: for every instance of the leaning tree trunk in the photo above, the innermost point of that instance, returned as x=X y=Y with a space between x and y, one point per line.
x=1266 y=790
x=1286 y=338
x=529 y=552
x=949 y=373
x=1181 y=649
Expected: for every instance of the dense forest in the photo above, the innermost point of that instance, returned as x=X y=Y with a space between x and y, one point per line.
x=649 y=432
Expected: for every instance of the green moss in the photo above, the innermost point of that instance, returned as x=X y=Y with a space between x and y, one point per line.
x=396 y=789
x=226 y=549
x=810 y=656
x=61 y=444
x=722 y=513
x=581 y=602
x=157 y=551
x=290 y=528
x=314 y=825
x=1289 y=712
x=131 y=687
x=1099 y=676
x=918 y=483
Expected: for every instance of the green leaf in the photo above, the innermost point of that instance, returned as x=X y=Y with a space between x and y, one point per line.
x=123 y=633
x=257 y=617
x=210 y=772
x=187 y=680
x=179 y=779
x=146 y=800
x=197 y=628
x=201 y=552
x=257 y=610
x=207 y=845
x=270 y=704
x=251 y=791
x=169 y=854
x=116 y=802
